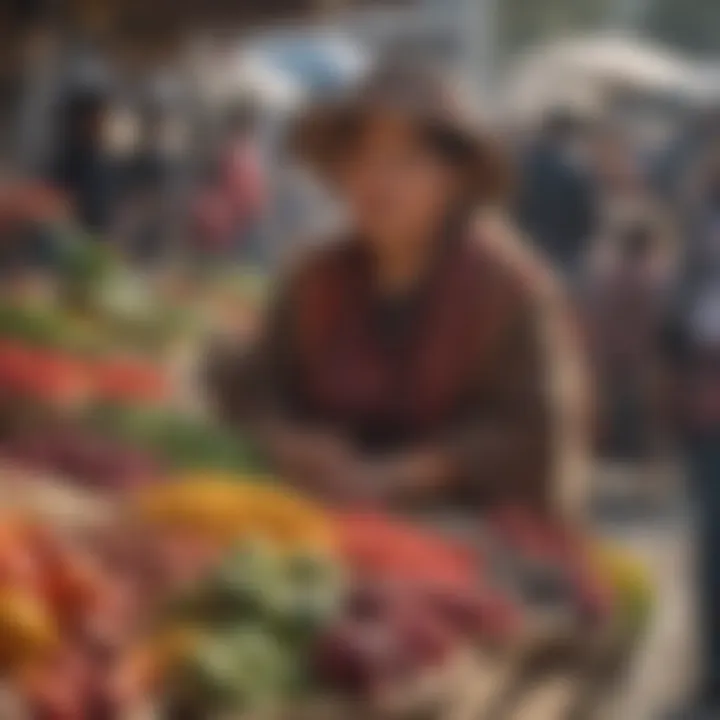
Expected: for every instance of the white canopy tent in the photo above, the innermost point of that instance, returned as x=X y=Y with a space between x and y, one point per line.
x=580 y=74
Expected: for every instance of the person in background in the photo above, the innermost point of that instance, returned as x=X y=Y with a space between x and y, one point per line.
x=144 y=220
x=618 y=176
x=231 y=204
x=624 y=293
x=692 y=350
x=423 y=355
x=675 y=161
x=556 y=200
x=82 y=167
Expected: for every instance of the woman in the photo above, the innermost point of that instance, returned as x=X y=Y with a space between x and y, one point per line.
x=416 y=356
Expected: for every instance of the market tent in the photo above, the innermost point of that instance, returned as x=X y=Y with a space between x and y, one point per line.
x=625 y=60
x=581 y=73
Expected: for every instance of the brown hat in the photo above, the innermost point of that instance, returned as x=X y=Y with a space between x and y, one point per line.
x=320 y=136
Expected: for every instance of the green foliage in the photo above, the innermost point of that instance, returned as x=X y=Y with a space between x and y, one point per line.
x=243 y=670
x=261 y=611
x=293 y=595
x=184 y=443
x=34 y=325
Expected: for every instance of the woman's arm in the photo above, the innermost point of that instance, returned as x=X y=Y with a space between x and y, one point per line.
x=528 y=439
x=250 y=388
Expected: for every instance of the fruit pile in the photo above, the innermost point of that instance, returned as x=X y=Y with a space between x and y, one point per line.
x=214 y=595
x=409 y=601
x=216 y=591
x=226 y=509
x=179 y=441
x=324 y=603
x=65 y=619
x=255 y=619
x=56 y=365
x=78 y=456
x=62 y=379
x=384 y=548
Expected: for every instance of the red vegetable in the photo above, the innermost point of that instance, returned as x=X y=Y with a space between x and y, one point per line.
x=361 y=658
x=42 y=375
x=83 y=457
x=129 y=380
x=60 y=378
x=557 y=545
x=381 y=547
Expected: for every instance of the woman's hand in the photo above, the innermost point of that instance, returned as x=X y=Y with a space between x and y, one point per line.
x=415 y=475
x=329 y=467
x=319 y=462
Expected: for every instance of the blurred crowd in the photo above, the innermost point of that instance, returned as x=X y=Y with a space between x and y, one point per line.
x=633 y=235
x=630 y=229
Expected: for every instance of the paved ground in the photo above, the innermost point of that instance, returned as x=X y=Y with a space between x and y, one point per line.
x=660 y=536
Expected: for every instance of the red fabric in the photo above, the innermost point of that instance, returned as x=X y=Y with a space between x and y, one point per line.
x=237 y=200
x=352 y=378
x=244 y=181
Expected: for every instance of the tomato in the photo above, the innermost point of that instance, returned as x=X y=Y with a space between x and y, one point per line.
x=40 y=374
x=55 y=688
x=19 y=567
x=73 y=582
x=380 y=546
x=123 y=379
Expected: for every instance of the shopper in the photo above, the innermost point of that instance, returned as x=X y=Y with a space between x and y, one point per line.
x=557 y=200
x=82 y=167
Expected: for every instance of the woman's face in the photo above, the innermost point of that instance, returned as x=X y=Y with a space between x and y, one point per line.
x=395 y=187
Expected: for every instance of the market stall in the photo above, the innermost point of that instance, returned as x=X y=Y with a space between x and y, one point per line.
x=149 y=562
x=588 y=75
x=152 y=565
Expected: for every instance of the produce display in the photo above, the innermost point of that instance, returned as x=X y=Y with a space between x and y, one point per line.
x=55 y=377
x=64 y=621
x=91 y=460
x=219 y=595
x=257 y=617
x=212 y=589
x=181 y=441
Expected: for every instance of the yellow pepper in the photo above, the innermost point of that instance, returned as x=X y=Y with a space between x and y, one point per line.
x=27 y=628
x=229 y=508
x=631 y=582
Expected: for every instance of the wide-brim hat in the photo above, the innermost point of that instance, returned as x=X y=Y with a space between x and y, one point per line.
x=319 y=136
